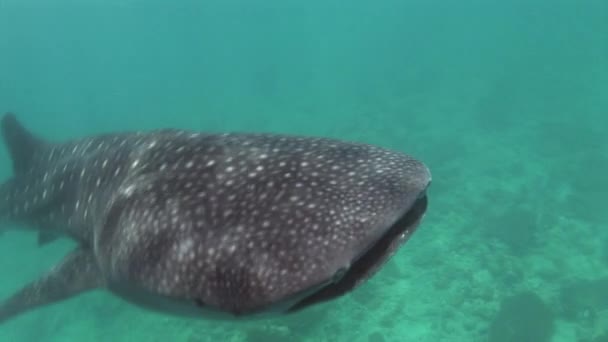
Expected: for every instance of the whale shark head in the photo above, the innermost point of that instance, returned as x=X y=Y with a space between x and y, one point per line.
x=245 y=223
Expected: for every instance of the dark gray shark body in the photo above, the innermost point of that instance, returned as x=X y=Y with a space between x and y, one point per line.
x=186 y=222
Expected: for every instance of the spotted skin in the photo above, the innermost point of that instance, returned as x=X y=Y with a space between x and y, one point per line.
x=188 y=222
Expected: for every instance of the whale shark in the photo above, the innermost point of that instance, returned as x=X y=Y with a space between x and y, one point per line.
x=204 y=224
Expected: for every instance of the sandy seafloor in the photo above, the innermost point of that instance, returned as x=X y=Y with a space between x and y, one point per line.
x=518 y=202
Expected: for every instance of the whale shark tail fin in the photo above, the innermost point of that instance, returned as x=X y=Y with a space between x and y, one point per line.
x=21 y=143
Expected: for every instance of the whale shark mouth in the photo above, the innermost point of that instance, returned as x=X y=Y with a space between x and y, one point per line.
x=370 y=261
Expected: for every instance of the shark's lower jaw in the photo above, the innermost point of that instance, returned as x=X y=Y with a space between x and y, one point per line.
x=370 y=262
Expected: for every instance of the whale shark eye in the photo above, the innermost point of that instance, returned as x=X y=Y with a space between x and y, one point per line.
x=339 y=274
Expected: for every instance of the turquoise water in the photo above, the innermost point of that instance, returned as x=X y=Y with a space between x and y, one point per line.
x=504 y=100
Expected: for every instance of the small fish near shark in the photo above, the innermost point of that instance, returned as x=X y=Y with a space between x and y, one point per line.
x=192 y=223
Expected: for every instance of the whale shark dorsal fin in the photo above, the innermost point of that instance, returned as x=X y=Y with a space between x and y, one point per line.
x=20 y=142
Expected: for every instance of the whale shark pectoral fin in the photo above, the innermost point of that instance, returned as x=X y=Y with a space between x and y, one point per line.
x=77 y=273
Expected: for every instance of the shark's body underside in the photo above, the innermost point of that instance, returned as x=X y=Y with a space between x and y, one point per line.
x=231 y=223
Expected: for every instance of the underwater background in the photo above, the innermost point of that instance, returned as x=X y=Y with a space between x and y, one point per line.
x=506 y=102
